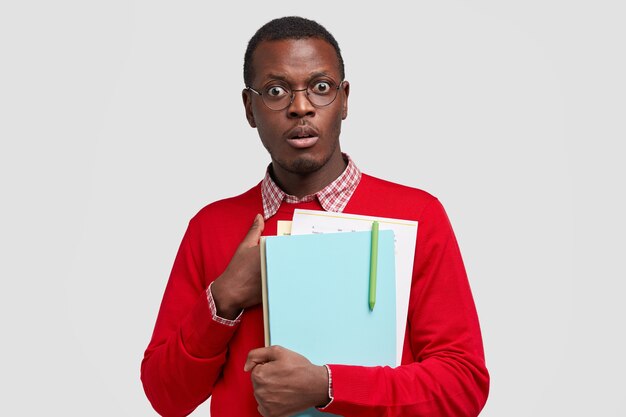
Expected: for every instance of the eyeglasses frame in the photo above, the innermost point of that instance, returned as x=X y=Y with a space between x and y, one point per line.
x=293 y=96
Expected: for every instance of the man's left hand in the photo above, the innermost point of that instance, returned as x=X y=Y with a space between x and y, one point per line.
x=285 y=382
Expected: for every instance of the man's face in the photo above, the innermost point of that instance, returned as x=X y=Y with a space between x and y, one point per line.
x=302 y=138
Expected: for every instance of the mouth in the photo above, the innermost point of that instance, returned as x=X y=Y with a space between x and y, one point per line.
x=302 y=137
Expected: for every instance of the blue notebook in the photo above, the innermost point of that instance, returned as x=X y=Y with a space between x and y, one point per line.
x=316 y=292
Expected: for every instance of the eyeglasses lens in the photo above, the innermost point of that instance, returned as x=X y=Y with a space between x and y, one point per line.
x=276 y=101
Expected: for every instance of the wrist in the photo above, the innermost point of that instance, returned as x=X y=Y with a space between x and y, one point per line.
x=323 y=387
x=225 y=304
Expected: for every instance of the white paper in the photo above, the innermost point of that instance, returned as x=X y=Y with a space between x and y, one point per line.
x=313 y=221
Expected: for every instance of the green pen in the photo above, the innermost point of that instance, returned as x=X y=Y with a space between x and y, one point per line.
x=373 y=265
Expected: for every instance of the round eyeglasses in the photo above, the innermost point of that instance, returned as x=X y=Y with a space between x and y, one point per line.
x=277 y=95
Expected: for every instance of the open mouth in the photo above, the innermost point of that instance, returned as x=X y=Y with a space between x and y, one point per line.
x=302 y=132
x=302 y=137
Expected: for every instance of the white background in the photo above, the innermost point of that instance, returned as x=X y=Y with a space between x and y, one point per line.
x=120 y=119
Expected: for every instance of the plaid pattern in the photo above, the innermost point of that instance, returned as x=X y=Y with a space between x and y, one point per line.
x=333 y=197
x=221 y=320
x=330 y=388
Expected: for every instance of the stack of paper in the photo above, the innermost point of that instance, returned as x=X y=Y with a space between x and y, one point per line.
x=405 y=231
x=316 y=286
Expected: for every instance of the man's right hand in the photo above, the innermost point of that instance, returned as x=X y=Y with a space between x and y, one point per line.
x=239 y=286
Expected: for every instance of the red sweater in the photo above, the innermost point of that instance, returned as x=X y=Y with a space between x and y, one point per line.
x=192 y=357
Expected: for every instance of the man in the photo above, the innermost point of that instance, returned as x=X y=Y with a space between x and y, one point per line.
x=209 y=333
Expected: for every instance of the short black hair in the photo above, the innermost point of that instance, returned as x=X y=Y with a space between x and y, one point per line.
x=289 y=27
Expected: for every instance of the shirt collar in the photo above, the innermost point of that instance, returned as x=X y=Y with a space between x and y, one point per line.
x=333 y=197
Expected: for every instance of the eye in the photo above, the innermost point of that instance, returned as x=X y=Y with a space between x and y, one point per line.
x=321 y=87
x=276 y=91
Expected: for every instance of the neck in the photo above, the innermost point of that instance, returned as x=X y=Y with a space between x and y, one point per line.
x=301 y=185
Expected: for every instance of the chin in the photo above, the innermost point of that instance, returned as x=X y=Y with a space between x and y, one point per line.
x=302 y=165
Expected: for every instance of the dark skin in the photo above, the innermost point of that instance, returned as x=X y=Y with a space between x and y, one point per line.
x=305 y=171
x=285 y=382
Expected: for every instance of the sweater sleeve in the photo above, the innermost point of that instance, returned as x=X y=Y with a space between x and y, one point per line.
x=188 y=347
x=443 y=371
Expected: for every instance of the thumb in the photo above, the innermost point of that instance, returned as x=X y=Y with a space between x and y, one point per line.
x=260 y=356
x=254 y=234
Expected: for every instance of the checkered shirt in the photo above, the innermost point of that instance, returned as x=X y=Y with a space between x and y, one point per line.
x=333 y=197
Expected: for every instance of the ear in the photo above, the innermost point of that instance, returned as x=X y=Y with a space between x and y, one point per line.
x=247 y=104
x=345 y=91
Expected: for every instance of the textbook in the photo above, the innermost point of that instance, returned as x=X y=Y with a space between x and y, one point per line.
x=316 y=298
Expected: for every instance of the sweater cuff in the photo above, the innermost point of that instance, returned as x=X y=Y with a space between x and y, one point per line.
x=355 y=389
x=202 y=336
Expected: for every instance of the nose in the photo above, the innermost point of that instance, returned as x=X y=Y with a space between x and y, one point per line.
x=301 y=105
